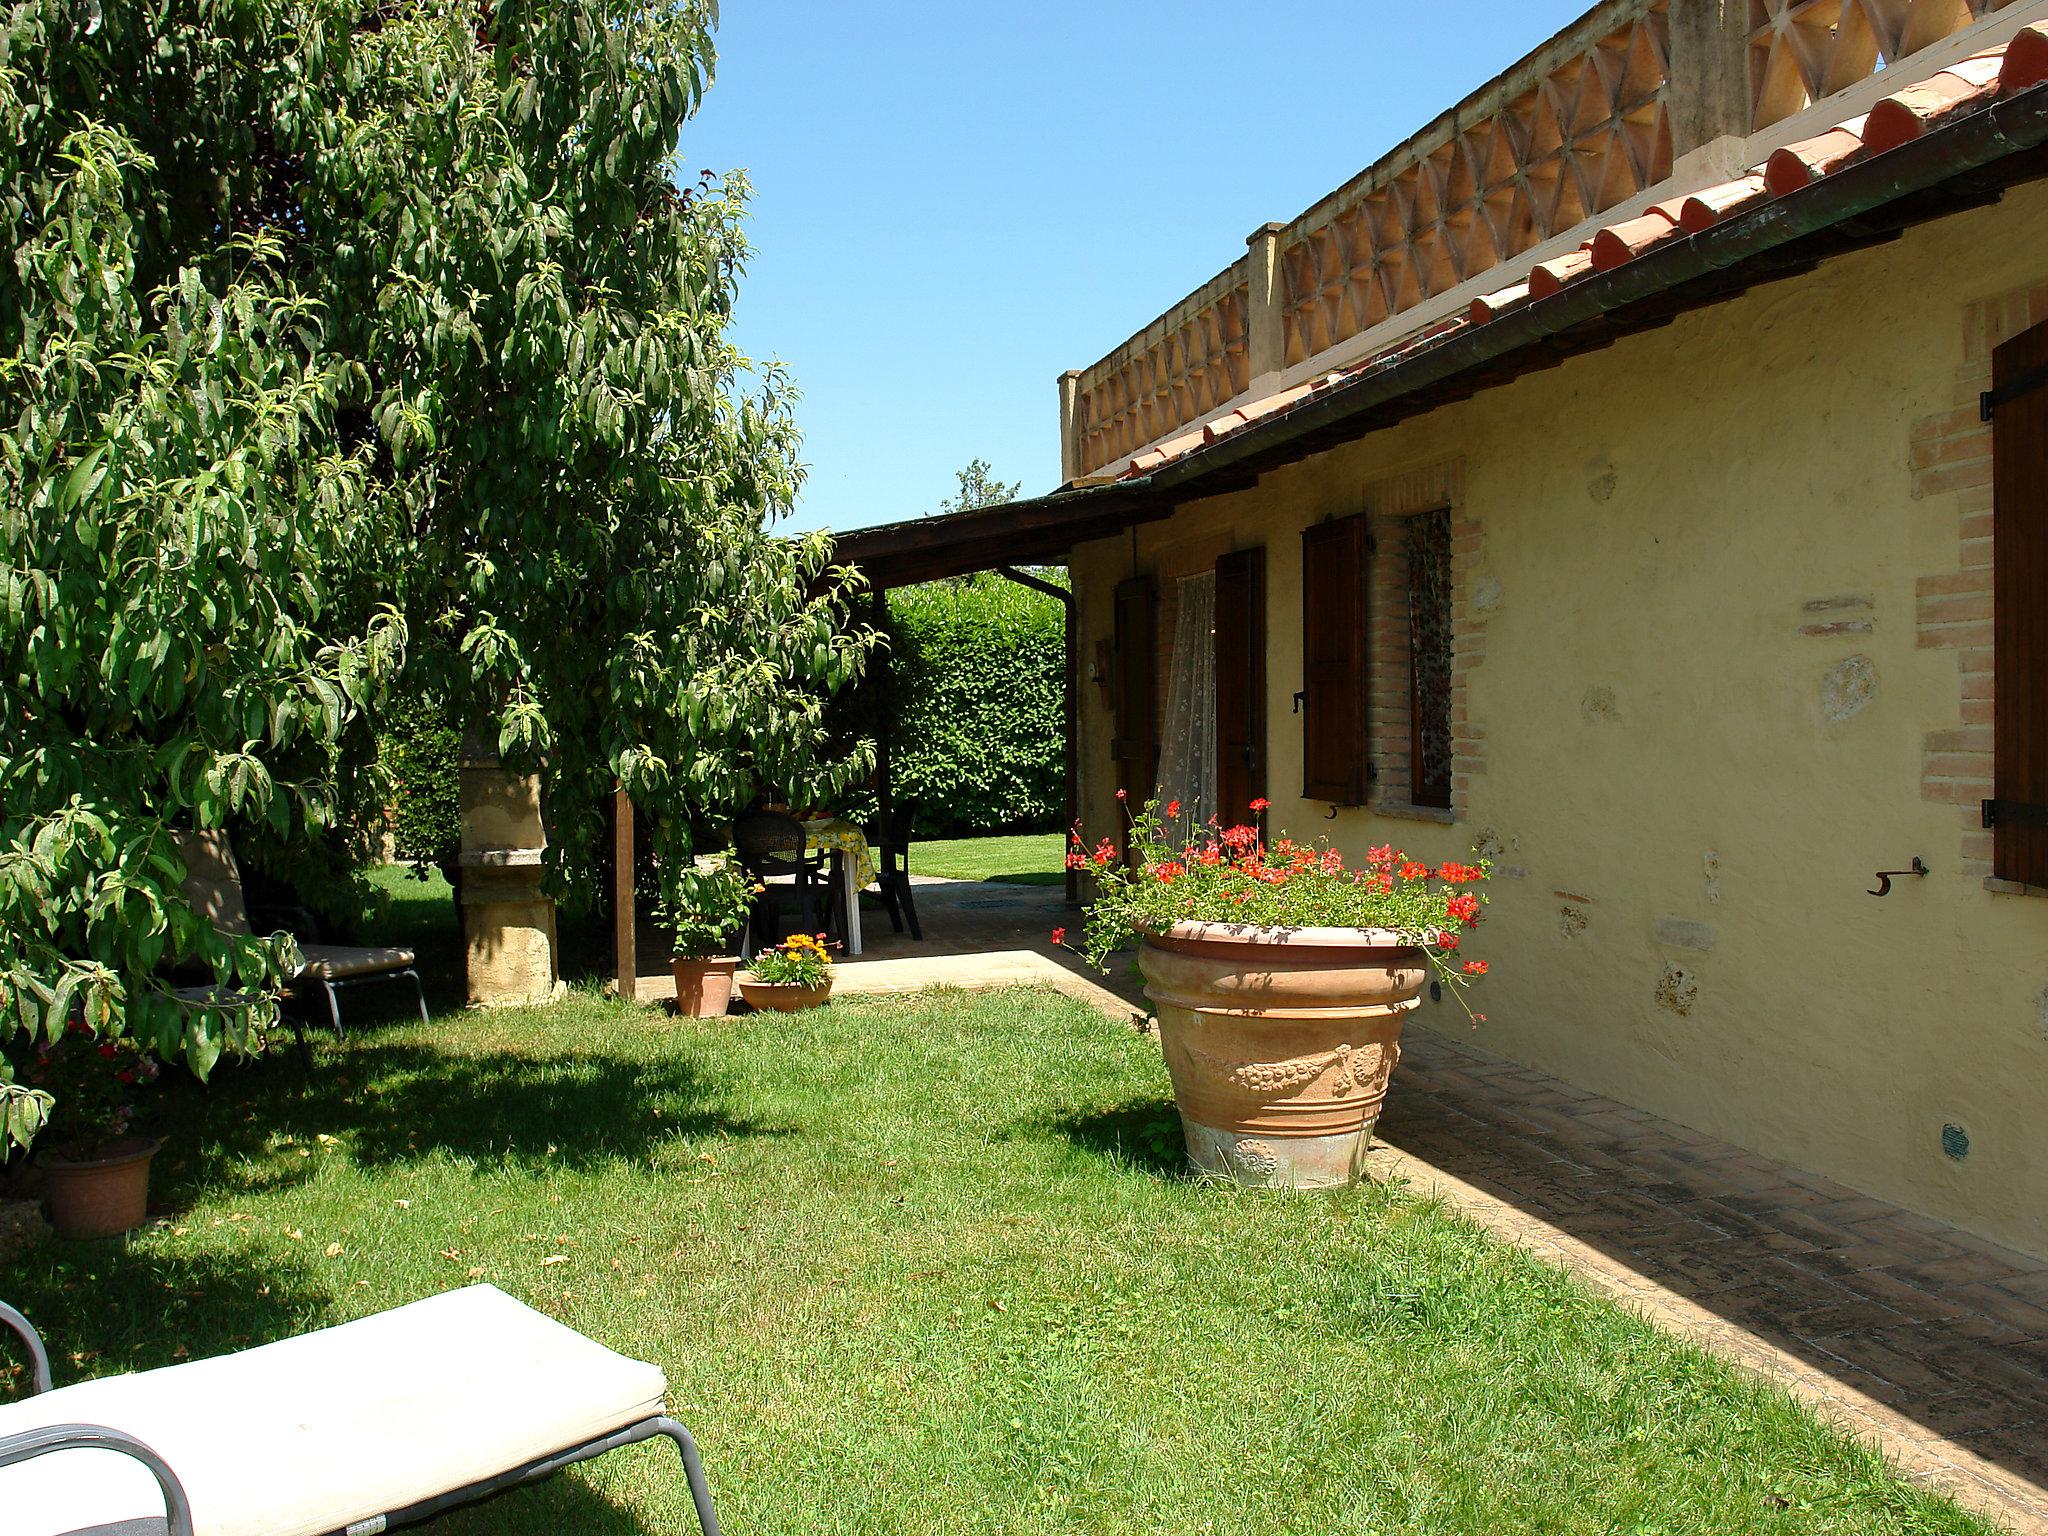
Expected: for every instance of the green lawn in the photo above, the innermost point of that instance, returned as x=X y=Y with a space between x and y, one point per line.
x=929 y=1265
x=1032 y=858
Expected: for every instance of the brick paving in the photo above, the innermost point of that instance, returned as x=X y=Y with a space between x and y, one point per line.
x=1923 y=1338
x=1927 y=1339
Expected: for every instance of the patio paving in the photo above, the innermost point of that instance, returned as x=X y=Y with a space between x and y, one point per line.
x=1924 y=1338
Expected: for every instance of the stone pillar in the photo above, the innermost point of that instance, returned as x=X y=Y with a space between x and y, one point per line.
x=1265 y=322
x=1710 y=96
x=508 y=924
x=1070 y=427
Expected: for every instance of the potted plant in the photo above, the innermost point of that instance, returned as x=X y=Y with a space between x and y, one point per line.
x=97 y=1167
x=797 y=973
x=705 y=907
x=1281 y=979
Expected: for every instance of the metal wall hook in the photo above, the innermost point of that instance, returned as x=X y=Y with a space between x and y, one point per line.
x=1886 y=876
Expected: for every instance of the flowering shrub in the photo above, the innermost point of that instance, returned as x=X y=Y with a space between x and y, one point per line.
x=93 y=1081
x=798 y=961
x=1233 y=875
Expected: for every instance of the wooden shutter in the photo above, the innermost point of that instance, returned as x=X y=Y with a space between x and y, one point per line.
x=1240 y=685
x=1334 y=615
x=2019 y=541
x=1135 y=671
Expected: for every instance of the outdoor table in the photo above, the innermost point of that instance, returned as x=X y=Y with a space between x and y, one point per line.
x=853 y=861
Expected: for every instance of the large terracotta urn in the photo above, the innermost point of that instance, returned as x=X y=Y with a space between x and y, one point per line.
x=1280 y=1042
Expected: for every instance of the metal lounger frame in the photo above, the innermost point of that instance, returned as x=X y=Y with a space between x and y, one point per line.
x=30 y=1444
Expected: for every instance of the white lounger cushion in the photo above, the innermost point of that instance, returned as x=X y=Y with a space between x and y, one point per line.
x=311 y=1434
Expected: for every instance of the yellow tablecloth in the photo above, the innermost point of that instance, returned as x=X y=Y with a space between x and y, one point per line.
x=836 y=836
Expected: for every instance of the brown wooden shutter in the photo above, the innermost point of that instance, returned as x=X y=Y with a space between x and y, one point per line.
x=1135 y=740
x=2019 y=813
x=1240 y=685
x=1334 y=615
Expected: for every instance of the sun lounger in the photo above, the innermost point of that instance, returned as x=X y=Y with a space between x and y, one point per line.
x=346 y=1431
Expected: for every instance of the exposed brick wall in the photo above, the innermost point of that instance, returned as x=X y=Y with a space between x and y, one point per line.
x=1390 y=503
x=1949 y=456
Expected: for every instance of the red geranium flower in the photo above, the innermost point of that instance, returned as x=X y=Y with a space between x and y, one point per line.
x=1059 y=935
x=1475 y=967
x=1260 y=804
x=1414 y=871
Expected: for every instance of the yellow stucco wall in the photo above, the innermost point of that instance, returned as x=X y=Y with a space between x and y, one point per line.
x=1655 y=517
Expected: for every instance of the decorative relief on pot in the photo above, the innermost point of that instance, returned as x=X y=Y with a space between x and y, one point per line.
x=1366 y=1066
x=1255 y=1157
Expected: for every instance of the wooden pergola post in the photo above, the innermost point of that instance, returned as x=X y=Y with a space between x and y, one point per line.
x=625 y=921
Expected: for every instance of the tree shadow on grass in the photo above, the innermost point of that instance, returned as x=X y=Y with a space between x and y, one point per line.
x=1144 y=1134
x=110 y=1306
x=392 y=1102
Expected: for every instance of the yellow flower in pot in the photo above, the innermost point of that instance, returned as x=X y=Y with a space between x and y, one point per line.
x=795 y=974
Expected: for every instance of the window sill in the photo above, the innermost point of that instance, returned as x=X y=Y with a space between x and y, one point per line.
x=1443 y=815
x=1999 y=887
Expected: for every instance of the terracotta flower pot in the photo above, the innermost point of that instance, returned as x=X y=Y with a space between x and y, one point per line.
x=783 y=996
x=703 y=987
x=101 y=1196
x=1280 y=1042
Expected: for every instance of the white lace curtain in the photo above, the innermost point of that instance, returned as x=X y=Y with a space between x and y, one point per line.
x=1187 y=746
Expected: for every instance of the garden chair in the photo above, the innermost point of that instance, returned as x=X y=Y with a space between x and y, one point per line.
x=891 y=842
x=214 y=887
x=797 y=890
x=352 y=1429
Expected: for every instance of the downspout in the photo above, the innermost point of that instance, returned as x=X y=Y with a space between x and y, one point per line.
x=1071 y=703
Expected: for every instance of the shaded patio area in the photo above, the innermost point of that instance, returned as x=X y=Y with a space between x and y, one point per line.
x=1929 y=1340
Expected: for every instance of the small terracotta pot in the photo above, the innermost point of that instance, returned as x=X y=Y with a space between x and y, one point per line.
x=102 y=1196
x=1280 y=1042
x=783 y=996
x=703 y=987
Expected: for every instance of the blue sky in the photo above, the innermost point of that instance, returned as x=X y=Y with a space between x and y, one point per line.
x=953 y=203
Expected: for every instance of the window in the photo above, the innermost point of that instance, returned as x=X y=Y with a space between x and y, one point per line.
x=1134 y=673
x=2018 y=813
x=1334 y=614
x=1240 y=685
x=1431 y=658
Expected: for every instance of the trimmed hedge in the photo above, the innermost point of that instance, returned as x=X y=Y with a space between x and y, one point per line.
x=423 y=754
x=975 y=682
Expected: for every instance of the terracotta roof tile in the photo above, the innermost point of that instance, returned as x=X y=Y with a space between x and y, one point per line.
x=1489 y=305
x=1708 y=206
x=1547 y=277
x=2026 y=59
x=1630 y=238
x=1903 y=117
x=1795 y=165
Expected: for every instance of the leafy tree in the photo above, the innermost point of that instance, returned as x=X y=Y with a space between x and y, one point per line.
x=978 y=488
x=329 y=324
